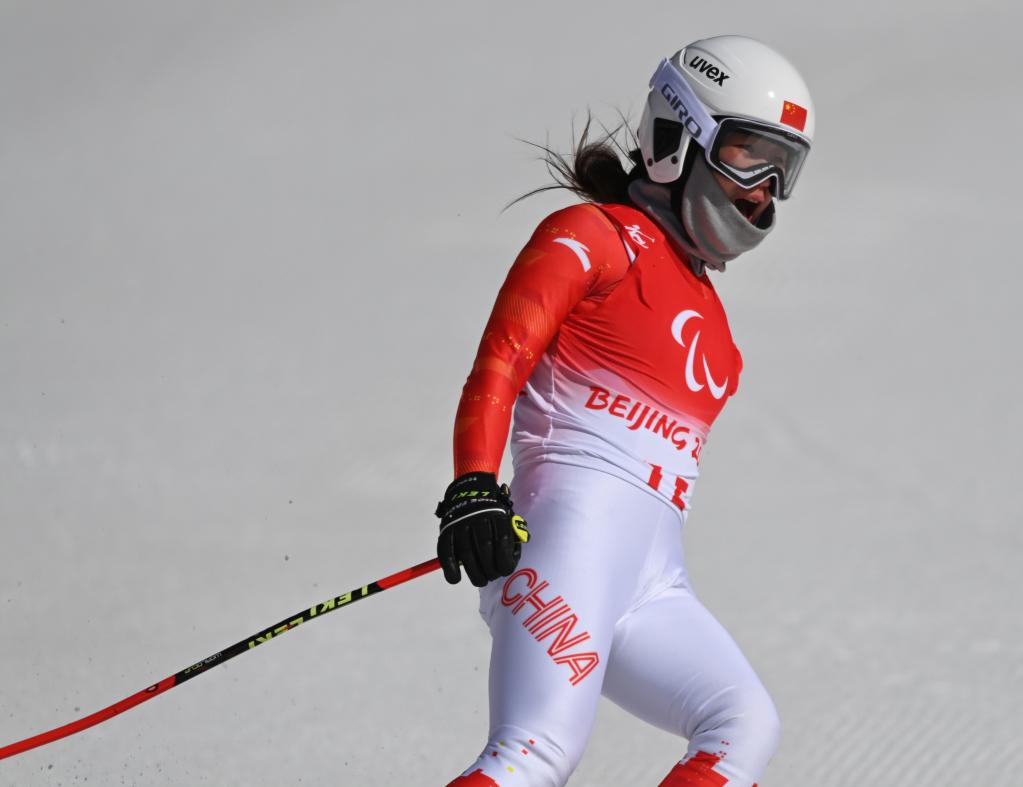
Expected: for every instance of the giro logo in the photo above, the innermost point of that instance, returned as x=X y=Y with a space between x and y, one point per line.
x=677 y=326
x=675 y=102
x=713 y=73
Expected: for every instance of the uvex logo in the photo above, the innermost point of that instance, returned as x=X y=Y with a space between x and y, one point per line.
x=713 y=73
x=677 y=326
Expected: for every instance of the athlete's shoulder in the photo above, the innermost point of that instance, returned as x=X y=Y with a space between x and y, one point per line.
x=584 y=222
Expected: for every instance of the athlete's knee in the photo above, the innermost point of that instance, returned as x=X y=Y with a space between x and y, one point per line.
x=516 y=757
x=742 y=730
x=758 y=723
x=732 y=748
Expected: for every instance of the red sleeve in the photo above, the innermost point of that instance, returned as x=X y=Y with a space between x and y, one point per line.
x=574 y=253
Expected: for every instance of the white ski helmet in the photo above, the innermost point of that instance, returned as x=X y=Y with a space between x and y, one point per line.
x=733 y=92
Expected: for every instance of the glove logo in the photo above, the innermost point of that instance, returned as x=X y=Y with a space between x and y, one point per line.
x=717 y=390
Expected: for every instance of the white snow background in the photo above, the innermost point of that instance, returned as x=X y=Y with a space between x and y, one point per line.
x=246 y=253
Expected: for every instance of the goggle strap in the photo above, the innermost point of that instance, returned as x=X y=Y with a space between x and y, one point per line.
x=680 y=97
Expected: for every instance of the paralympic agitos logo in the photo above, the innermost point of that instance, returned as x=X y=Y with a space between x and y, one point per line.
x=677 y=326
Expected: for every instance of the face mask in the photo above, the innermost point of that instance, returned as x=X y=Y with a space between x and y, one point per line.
x=708 y=227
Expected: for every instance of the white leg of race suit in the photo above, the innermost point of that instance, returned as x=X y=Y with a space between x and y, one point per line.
x=601 y=602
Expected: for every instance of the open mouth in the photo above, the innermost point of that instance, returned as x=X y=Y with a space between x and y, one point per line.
x=746 y=207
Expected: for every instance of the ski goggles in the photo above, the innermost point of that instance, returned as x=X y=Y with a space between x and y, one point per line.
x=747 y=152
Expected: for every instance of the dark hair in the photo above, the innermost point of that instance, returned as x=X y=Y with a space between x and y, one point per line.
x=595 y=169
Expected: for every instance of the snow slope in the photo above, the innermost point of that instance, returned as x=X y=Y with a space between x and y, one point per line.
x=246 y=250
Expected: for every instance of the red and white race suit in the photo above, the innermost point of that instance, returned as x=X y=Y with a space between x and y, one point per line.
x=627 y=352
x=616 y=359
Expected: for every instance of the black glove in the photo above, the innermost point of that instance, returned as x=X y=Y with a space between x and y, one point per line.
x=479 y=530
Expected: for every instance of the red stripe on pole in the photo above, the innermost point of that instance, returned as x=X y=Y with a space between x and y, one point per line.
x=409 y=573
x=89 y=721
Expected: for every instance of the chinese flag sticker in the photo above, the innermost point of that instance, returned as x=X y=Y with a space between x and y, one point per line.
x=793 y=115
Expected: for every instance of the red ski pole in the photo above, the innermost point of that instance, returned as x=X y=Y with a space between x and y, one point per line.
x=315 y=611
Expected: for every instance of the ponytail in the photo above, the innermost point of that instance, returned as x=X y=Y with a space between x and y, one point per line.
x=594 y=170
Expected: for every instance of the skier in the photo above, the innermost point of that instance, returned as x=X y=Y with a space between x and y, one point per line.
x=610 y=341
